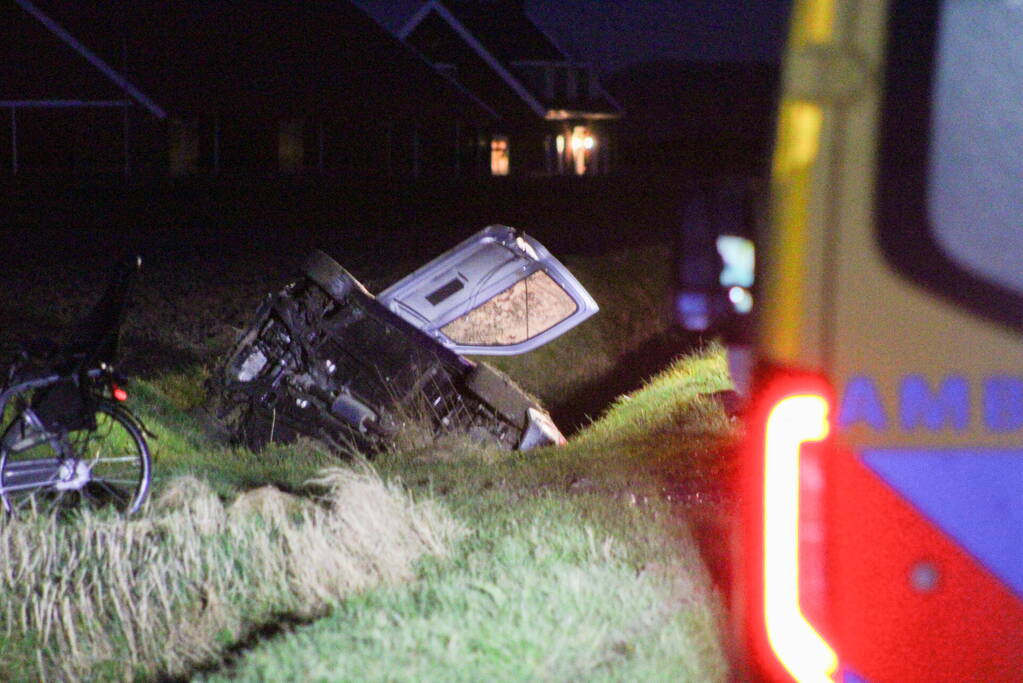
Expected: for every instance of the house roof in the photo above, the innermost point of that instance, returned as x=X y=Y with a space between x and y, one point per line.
x=263 y=57
x=504 y=36
x=507 y=32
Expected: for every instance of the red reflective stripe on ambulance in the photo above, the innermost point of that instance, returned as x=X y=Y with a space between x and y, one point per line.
x=907 y=603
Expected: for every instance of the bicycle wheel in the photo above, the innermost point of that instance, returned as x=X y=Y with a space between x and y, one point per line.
x=48 y=472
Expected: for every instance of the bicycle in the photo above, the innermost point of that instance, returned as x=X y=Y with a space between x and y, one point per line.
x=66 y=437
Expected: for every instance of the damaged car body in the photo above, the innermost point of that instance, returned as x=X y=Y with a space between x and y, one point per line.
x=327 y=359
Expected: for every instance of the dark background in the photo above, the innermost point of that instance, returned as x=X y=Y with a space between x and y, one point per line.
x=698 y=82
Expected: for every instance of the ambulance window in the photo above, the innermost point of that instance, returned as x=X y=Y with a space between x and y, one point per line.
x=975 y=185
x=950 y=182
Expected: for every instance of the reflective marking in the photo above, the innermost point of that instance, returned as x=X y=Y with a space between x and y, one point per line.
x=862 y=403
x=918 y=405
x=799 y=130
x=934 y=408
x=1003 y=403
x=973 y=495
x=816 y=22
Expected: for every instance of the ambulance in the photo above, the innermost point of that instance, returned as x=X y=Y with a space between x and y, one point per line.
x=882 y=483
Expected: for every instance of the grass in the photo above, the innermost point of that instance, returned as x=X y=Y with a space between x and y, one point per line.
x=559 y=564
x=578 y=567
x=545 y=597
x=103 y=598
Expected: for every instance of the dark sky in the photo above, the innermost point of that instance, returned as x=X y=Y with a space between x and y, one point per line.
x=617 y=33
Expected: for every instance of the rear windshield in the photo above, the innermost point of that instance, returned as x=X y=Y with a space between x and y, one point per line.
x=951 y=181
x=975 y=187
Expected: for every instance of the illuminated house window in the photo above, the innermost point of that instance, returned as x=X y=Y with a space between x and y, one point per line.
x=584 y=147
x=499 y=155
x=290 y=148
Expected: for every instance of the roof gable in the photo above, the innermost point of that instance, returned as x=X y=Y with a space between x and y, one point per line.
x=500 y=32
x=433 y=6
x=506 y=30
x=262 y=54
x=265 y=58
x=64 y=79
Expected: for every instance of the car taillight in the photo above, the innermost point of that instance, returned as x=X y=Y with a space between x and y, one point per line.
x=784 y=539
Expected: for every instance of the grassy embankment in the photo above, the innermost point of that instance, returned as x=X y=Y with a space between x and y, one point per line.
x=563 y=564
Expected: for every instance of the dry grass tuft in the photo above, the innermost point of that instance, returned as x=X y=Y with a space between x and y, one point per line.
x=103 y=598
x=268 y=501
x=190 y=497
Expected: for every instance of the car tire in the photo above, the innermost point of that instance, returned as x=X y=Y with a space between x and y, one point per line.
x=331 y=276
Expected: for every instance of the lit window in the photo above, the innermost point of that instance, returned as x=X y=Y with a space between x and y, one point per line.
x=527 y=308
x=499 y=155
x=583 y=144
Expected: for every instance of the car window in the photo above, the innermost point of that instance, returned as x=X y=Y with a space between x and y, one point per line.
x=975 y=183
x=524 y=310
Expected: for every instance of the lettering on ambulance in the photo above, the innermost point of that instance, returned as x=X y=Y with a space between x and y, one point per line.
x=933 y=408
x=1003 y=403
x=951 y=404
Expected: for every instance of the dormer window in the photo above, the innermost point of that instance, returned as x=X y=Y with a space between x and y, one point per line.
x=557 y=81
x=571 y=84
x=593 y=85
x=560 y=82
x=584 y=76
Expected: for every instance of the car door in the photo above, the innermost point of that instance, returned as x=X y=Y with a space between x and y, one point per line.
x=499 y=292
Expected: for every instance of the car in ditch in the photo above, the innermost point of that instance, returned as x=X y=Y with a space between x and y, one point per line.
x=325 y=358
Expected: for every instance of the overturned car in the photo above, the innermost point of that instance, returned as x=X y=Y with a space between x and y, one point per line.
x=326 y=359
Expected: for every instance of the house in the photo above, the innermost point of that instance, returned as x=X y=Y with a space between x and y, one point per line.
x=228 y=86
x=556 y=118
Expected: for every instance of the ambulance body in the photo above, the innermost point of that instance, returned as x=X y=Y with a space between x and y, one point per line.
x=882 y=523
